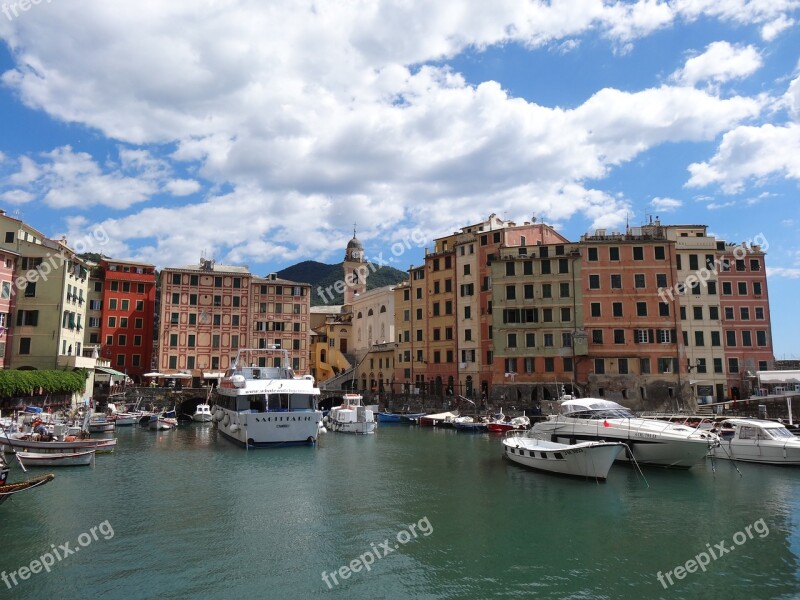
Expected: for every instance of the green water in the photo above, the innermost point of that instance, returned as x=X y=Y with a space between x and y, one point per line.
x=195 y=517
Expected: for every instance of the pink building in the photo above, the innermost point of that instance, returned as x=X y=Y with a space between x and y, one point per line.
x=7 y=261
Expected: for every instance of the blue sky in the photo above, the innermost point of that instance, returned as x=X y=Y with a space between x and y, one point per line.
x=257 y=133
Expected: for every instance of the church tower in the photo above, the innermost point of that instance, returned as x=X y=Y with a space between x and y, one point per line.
x=356 y=270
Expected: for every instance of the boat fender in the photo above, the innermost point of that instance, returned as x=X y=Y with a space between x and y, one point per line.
x=226 y=420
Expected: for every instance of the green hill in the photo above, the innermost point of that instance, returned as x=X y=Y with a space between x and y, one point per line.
x=323 y=276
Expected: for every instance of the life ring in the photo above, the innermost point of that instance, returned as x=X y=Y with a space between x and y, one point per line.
x=226 y=419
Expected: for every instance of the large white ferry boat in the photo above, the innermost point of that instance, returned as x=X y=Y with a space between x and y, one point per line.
x=258 y=406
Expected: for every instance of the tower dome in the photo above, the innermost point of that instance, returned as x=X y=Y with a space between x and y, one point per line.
x=354 y=250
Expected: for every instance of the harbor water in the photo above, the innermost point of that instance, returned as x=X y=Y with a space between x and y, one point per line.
x=406 y=513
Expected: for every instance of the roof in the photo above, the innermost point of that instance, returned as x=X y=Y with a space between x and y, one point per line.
x=761 y=424
x=261 y=280
x=214 y=269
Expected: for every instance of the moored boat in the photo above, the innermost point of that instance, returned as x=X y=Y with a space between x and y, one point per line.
x=437 y=419
x=100 y=423
x=8 y=490
x=29 y=442
x=260 y=406
x=202 y=414
x=758 y=441
x=352 y=416
x=517 y=423
x=586 y=459
x=650 y=442
x=162 y=423
x=56 y=459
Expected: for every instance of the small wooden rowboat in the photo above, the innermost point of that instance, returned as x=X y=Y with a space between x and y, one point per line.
x=56 y=459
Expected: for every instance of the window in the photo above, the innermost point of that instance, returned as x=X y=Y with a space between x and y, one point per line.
x=755 y=264
x=613 y=253
x=176 y=298
x=125 y=304
x=527 y=291
x=644 y=366
x=122 y=340
x=733 y=365
x=547 y=290
x=529 y=364
x=566 y=315
x=549 y=364
x=512 y=340
x=30 y=289
x=190 y=340
x=511 y=292
x=661 y=280
x=717 y=365
x=616 y=282
x=698 y=338
x=511 y=268
x=597 y=336
x=741 y=287
x=622 y=364
x=236 y=300
x=694 y=264
x=713 y=313
x=715 y=338
x=658 y=252
x=747 y=338
x=563 y=265
x=9 y=237
x=548 y=340
x=728 y=313
x=759 y=313
x=123 y=322
x=740 y=266
x=530 y=340
x=641 y=309
x=638 y=253
x=711 y=286
x=761 y=338
x=547 y=315
x=25 y=345
x=700 y=365
x=592 y=254
x=173 y=340
x=616 y=309
x=546 y=267
x=744 y=313
x=31 y=318
x=563 y=290
x=467 y=335
x=663 y=309
x=697 y=313
x=595 y=308
x=665 y=336
x=174 y=318
x=643 y=336
x=137 y=341
x=730 y=338
x=527 y=267
x=594 y=282
x=638 y=280
x=619 y=336
x=112 y=304
x=176 y=279
x=599 y=366
x=727 y=289
x=757 y=288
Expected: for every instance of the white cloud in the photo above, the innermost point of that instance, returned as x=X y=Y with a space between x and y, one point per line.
x=182 y=187
x=750 y=153
x=17 y=196
x=665 y=204
x=771 y=30
x=720 y=205
x=784 y=272
x=720 y=62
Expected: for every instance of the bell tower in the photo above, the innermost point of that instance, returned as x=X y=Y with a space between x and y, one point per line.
x=355 y=270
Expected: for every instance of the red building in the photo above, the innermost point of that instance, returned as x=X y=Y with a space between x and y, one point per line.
x=746 y=325
x=128 y=310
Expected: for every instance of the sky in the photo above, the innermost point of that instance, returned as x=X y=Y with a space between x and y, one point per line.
x=257 y=133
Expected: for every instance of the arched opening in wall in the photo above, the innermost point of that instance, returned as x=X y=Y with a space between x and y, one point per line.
x=364 y=382
x=535 y=393
x=484 y=389
x=450 y=388
x=625 y=394
x=438 y=384
x=322 y=356
x=469 y=386
x=643 y=392
x=546 y=395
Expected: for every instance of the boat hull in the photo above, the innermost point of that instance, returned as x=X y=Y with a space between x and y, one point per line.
x=202 y=418
x=361 y=428
x=747 y=451
x=589 y=460
x=56 y=459
x=262 y=430
x=646 y=447
x=100 y=445
x=163 y=424
x=101 y=427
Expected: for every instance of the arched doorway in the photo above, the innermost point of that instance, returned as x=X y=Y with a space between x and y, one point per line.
x=469 y=389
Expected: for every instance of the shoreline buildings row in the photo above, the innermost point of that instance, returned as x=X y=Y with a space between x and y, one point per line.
x=653 y=316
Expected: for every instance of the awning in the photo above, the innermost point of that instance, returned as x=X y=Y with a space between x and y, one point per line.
x=154 y=375
x=779 y=376
x=177 y=375
x=218 y=375
x=113 y=372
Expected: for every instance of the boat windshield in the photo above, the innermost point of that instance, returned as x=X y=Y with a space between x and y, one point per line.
x=608 y=413
x=780 y=433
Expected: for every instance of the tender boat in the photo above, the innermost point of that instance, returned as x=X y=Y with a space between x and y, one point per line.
x=387 y=417
x=651 y=442
x=56 y=459
x=162 y=423
x=586 y=459
x=32 y=442
x=100 y=423
x=260 y=406
x=202 y=414
x=758 y=441
x=352 y=416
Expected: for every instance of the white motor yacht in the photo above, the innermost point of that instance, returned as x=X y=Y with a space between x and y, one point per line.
x=352 y=416
x=651 y=442
x=758 y=441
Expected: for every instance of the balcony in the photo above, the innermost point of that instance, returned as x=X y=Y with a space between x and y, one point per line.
x=76 y=362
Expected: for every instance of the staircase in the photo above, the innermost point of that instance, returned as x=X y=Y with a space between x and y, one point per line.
x=337 y=382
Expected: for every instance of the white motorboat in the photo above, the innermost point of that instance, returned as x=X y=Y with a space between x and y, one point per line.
x=758 y=441
x=15 y=442
x=260 y=406
x=586 y=459
x=352 y=416
x=202 y=414
x=651 y=442
x=56 y=459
